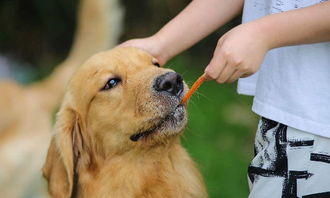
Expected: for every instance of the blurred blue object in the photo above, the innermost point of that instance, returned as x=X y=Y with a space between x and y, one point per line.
x=12 y=69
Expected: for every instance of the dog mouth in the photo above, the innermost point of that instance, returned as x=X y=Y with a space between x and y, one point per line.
x=172 y=121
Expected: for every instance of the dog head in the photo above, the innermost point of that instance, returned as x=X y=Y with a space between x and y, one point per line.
x=118 y=101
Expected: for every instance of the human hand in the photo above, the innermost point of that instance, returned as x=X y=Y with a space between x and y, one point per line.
x=239 y=53
x=151 y=45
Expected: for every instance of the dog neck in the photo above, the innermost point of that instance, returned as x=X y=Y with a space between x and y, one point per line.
x=131 y=173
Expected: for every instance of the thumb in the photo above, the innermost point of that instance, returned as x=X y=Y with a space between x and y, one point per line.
x=207 y=73
x=210 y=72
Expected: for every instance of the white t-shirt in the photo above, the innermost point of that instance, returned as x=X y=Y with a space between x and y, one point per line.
x=293 y=83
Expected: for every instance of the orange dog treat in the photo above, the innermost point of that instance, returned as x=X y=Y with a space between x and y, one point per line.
x=193 y=88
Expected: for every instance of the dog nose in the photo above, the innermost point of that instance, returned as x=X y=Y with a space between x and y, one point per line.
x=170 y=82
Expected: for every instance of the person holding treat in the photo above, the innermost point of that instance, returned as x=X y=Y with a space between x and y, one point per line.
x=281 y=56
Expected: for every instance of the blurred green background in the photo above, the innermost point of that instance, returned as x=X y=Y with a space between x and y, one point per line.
x=36 y=35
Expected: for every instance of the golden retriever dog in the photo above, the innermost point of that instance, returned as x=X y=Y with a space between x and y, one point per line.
x=26 y=112
x=118 y=130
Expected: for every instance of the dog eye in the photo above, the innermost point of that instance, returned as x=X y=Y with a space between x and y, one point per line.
x=111 y=84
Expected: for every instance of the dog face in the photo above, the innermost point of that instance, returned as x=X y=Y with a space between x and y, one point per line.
x=125 y=99
x=118 y=101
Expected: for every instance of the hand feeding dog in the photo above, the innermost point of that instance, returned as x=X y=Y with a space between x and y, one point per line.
x=118 y=130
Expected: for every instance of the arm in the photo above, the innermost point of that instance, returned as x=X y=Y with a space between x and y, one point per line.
x=233 y=58
x=303 y=26
x=197 y=20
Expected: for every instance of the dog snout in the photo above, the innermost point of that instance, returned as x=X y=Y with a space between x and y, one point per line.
x=170 y=82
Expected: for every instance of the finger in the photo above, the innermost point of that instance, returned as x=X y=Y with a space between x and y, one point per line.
x=155 y=62
x=124 y=44
x=215 y=67
x=237 y=74
x=246 y=75
x=226 y=73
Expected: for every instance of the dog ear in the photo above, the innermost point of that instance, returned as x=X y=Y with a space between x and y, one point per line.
x=63 y=155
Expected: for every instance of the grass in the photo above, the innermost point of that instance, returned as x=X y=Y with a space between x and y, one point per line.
x=220 y=132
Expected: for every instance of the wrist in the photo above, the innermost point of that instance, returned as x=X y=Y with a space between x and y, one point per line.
x=269 y=32
x=264 y=34
x=160 y=48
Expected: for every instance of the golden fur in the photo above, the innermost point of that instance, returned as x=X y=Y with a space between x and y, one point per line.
x=91 y=153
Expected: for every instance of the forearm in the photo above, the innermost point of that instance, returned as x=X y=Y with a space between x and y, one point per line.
x=301 y=26
x=197 y=20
